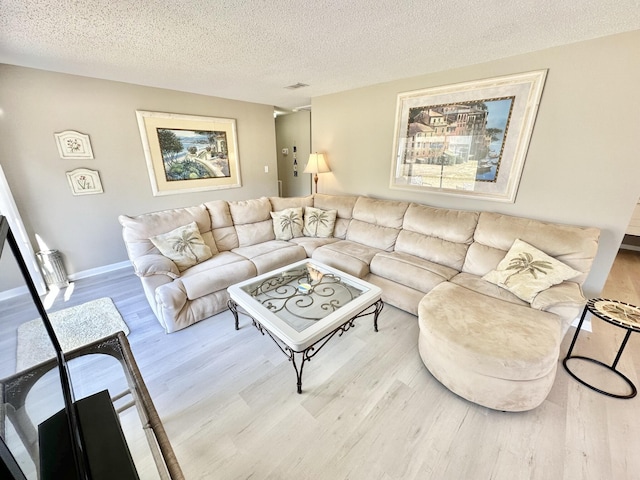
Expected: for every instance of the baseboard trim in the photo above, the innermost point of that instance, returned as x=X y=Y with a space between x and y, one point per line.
x=18 y=291
x=630 y=247
x=14 y=292
x=99 y=270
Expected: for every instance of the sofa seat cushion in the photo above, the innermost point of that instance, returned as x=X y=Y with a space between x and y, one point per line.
x=565 y=299
x=350 y=257
x=199 y=293
x=477 y=284
x=273 y=254
x=218 y=275
x=489 y=336
x=311 y=243
x=223 y=258
x=411 y=271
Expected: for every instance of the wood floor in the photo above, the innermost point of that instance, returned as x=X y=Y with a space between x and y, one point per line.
x=369 y=408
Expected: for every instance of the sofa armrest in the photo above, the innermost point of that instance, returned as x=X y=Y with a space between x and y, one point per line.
x=564 y=300
x=565 y=293
x=155 y=264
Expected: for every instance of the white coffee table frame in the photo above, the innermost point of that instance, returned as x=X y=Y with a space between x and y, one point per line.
x=308 y=342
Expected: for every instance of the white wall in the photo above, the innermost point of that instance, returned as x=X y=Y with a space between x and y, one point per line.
x=34 y=104
x=583 y=162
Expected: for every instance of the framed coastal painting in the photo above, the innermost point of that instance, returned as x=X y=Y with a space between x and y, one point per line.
x=467 y=139
x=187 y=153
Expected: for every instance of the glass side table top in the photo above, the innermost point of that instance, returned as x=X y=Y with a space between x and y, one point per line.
x=617 y=312
x=300 y=303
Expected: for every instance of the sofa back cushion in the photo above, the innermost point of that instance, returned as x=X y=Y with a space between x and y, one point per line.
x=496 y=233
x=224 y=232
x=343 y=204
x=252 y=220
x=376 y=223
x=439 y=235
x=282 y=203
x=137 y=230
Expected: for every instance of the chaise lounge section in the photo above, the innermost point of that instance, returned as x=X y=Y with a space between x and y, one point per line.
x=485 y=343
x=451 y=268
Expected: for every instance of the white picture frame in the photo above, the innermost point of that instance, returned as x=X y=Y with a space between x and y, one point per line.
x=73 y=145
x=188 y=153
x=467 y=139
x=84 y=181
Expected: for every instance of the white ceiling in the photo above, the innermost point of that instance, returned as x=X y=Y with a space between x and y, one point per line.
x=250 y=50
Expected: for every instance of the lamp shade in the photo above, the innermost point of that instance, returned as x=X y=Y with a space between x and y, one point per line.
x=316 y=164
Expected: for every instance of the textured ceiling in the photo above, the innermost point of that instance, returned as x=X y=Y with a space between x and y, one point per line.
x=251 y=50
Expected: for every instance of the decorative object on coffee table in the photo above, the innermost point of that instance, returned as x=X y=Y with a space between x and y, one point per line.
x=303 y=306
x=620 y=314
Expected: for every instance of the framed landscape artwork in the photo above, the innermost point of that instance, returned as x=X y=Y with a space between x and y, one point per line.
x=466 y=139
x=187 y=153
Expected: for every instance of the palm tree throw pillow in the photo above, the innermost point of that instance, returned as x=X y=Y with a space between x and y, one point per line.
x=184 y=246
x=526 y=271
x=287 y=223
x=319 y=223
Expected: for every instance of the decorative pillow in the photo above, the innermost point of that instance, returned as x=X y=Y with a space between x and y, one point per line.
x=526 y=271
x=287 y=223
x=319 y=223
x=184 y=246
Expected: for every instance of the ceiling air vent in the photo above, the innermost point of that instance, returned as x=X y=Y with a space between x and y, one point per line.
x=296 y=86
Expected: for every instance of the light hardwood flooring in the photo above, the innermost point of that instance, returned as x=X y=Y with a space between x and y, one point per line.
x=369 y=408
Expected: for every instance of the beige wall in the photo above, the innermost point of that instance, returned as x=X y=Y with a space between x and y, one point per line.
x=583 y=163
x=582 y=167
x=34 y=104
x=294 y=129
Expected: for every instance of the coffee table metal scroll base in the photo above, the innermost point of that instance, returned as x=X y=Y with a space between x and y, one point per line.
x=308 y=353
x=627 y=322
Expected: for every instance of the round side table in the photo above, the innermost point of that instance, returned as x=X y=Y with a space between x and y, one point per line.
x=621 y=315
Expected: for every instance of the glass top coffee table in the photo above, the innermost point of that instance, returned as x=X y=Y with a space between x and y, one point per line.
x=303 y=305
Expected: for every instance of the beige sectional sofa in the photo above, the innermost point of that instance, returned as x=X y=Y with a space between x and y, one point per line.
x=477 y=337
